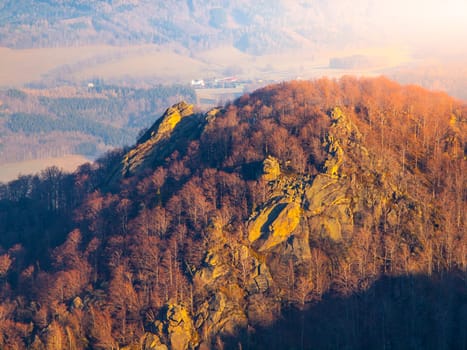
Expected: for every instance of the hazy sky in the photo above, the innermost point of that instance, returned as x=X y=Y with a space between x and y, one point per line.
x=428 y=21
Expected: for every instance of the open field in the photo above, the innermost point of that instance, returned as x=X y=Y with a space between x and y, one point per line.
x=163 y=66
x=68 y=163
x=170 y=64
x=20 y=67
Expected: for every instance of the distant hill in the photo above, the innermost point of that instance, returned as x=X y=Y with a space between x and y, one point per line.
x=177 y=41
x=254 y=27
x=320 y=214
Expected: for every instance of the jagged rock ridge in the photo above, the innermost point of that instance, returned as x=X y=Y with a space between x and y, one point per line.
x=149 y=143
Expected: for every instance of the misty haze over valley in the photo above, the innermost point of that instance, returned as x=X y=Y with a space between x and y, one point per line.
x=52 y=42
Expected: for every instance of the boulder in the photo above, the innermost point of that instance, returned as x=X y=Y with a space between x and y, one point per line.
x=328 y=207
x=212 y=270
x=274 y=223
x=282 y=226
x=175 y=328
x=179 y=327
x=271 y=169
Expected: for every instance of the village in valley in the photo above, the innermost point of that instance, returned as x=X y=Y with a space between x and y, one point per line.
x=217 y=91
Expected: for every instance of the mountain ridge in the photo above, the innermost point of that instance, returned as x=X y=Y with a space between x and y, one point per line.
x=255 y=28
x=232 y=219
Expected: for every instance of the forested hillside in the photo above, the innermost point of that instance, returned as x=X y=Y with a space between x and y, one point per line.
x=324 y=214
x=255 y=27
x=76 y=120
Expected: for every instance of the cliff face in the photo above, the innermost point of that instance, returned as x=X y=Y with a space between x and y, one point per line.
x=215 y=228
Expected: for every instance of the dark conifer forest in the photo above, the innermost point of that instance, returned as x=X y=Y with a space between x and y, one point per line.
x=326 y=214
x=41 y=123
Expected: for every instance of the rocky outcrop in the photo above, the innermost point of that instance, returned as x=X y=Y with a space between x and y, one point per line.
x=243 y=283
x=161 y=130
x=271 y=169
x=151 y=341
x=174 y=130
x=213 y=269
x=274 y=224
x=328 y=207
x=221 y=314
x=211 y=114
x=323 y=201
x=175 y=330
x=166 y=124
x=220 y=309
